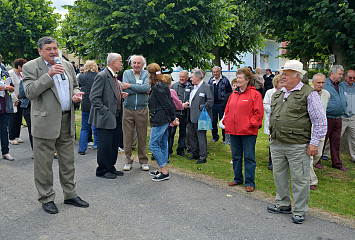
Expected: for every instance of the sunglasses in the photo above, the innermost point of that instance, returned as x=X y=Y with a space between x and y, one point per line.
x=351 y=78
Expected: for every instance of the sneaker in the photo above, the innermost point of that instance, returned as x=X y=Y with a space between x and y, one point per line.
x=93 y=147
x=145 y=167
x=276 y=209
x=231 y=162
x=19 y=140
x=155 y=173
x=161 y=177
x=14 y=142
x=120 y=149
x=90 y=143
x=324 y=158
x=127 y=167
x=298 y=219
x=270 y=167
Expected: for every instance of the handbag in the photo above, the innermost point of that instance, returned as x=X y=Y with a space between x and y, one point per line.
x=220 y=124
x=204 y=120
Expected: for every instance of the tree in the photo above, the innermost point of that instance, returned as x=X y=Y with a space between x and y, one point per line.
x=22 y=24
x=244 y=36
x=169 y=32
x=315 y=28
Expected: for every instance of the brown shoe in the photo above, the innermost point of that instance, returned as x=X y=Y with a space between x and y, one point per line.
x=250 y=189
x=313 y=187
x=232 y=184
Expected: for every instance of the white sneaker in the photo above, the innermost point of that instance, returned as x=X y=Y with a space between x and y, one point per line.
x=127 y=167
x=90 y=143
x=14 y=142
x=145 y=167
x=19 y=140
x=120 y=149
x=231 y=162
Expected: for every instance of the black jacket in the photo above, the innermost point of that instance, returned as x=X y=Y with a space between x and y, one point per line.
x=161 y=105
x=85 y=81
x=183 y=93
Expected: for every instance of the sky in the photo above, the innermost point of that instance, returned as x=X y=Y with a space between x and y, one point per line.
x=58 y=5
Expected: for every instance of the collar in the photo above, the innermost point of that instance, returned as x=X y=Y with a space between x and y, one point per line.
x=217 y=80
x=298 y=87
x=112 y=72
x=199 y=85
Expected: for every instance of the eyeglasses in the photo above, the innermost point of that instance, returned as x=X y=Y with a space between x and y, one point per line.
x=351 y=78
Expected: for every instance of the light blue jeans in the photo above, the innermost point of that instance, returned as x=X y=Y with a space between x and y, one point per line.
x=158 y=144
x=84 y=132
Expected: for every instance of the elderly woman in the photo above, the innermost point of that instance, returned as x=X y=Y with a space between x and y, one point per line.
x=278 y=84
x=242 y=120
x=259 y=80
x=161 y=113
x=268 y=81
x=85 y=80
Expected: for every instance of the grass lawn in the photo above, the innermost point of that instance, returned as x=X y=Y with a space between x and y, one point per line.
x=335 y=190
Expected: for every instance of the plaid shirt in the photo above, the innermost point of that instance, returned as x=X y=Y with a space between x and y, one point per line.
x=316 y=114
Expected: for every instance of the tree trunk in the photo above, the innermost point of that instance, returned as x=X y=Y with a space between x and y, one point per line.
x=339 y=56
x=304 y=59
x=217 y=60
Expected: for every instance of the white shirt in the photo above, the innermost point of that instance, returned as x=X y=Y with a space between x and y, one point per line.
x=193 y=92
x=63 y=89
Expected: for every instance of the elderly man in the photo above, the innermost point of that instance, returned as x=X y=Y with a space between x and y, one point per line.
x=201 y=96
x=294 y=109
x=318 y=82
x=183 y=90
x=348 y=120
x=335 y=110
x=106 y=100
x=221 y=87
x=135 y=113
x=52 y=88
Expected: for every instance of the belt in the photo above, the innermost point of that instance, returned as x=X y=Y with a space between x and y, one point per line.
x=65 y=112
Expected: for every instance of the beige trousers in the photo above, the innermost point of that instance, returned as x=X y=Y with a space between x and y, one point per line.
x=314 y=160
x=43 y=150
x=135 y=119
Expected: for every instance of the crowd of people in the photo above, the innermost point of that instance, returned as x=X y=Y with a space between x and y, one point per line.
x=298 y=119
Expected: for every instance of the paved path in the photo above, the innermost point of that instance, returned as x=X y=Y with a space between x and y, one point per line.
x=134 y=207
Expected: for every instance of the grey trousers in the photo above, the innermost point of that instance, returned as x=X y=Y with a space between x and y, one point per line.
x=43 y=151
x=291 y=159
x=198 y=141
x=348 y=126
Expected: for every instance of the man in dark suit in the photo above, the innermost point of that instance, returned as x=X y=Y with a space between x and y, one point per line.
x=201 y=96
x=52 y=89
x=106 y=99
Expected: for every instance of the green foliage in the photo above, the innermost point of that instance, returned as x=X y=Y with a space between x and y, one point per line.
x=22 y=24
x=312 y=72
x=168 y=32
x=315 y=28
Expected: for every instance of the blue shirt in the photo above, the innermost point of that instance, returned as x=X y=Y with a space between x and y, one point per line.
x=350 y=99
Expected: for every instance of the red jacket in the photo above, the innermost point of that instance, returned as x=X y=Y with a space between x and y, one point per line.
x=244 y=112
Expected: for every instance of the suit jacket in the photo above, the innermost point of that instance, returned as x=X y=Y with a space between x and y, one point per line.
x=103 y=100
x=46 y=110
x=203 y=97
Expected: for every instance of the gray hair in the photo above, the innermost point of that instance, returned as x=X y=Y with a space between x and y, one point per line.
x=112 y=57
x=218 y=67
x=197 y=72
x=46 y=40
x=130 y=59
x=316 y=75
x=184 y=71
x=295 y=75
x=335 y=68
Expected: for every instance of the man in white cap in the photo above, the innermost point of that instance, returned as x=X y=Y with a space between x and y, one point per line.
x=294 y=109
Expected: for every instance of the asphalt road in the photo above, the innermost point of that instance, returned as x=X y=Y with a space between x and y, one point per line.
x=135 y=207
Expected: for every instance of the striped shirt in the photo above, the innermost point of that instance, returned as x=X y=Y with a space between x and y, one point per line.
x=316 y=114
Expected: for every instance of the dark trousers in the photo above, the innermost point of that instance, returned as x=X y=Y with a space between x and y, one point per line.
x=217 y=110
x=15 y=121
x=4 y=135
x=198 y=141
x=182 y=135
x=107 y=149
x=334 y=135
x=27 y=115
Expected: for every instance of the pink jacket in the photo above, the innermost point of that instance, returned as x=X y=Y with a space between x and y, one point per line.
x=177 y=102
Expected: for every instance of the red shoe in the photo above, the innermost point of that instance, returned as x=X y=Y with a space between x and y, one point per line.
x=318 y=165
x=342 y=168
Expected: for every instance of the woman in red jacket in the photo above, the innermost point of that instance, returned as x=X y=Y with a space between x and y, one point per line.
x=243 y=117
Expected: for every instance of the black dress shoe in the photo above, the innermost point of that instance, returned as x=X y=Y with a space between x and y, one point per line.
x=182 y=154
x=108 y=175
x=50 y=207
x=193 y=157
x=201 y=161
x=119 y=173
x=77 y=202
x=276 y=209
x=81 y=153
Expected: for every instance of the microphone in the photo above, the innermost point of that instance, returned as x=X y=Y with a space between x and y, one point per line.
x=57 y=61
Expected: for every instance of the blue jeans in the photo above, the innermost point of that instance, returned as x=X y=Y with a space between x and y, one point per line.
x=217 y=110
x=4 y=135
x=246 y=144
x=158 y=144
x=84 y=132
